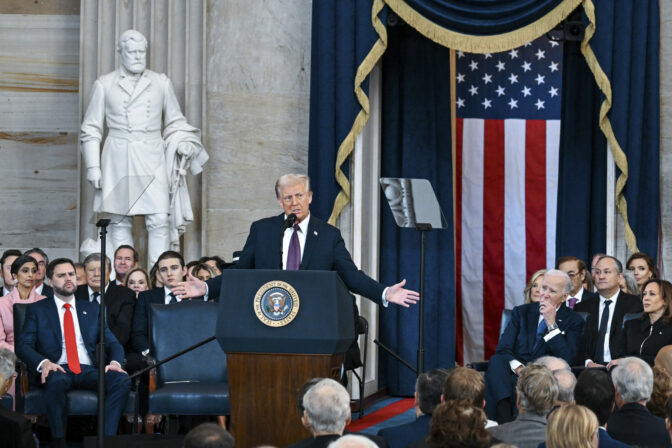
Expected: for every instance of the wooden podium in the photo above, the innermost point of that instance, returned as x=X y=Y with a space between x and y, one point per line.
x=279 y=329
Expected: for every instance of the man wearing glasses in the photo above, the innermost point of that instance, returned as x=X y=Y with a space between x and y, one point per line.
x=576 y=269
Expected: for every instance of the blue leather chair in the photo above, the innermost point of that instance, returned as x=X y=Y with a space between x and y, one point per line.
x=7 y=402
x=195 y=383
x=482 y=366
x=30 y=399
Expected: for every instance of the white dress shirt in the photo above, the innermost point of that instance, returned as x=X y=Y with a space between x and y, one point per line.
x=612 y=307
x=287 y=237
x=81 y=348
x=92 y=292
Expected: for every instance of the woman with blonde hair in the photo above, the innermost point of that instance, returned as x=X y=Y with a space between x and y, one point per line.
x=572 y=426
x=532 y=291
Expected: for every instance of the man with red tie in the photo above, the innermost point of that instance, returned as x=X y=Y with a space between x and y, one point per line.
x=59 y=340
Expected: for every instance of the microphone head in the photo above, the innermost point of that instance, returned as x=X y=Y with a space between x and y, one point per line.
x=291 y=219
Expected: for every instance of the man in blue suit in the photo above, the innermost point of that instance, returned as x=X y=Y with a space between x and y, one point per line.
x=536 y=329
x=59 y=340
x=317 y=246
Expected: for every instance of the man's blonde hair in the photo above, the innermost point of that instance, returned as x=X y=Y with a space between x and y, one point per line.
x=287 y=180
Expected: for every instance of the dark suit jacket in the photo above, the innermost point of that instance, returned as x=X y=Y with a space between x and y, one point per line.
x=42 y=335
x=325 y=250
x=403 y=435
x=47 y=290
x=633 y=424
x=16 y=430
x=519 y=340
x=119 y=302
x=140 y=332
x=526 y=431
x=645 y=340
x=626 y=303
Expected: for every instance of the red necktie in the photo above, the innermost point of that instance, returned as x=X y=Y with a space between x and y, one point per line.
x=70 y=341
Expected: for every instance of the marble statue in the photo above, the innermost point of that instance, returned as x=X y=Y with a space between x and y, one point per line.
x=148 y=150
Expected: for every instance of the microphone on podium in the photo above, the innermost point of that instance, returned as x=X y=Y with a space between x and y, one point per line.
x=289 y=222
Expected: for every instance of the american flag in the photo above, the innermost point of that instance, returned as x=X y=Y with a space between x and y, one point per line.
x=508 y=135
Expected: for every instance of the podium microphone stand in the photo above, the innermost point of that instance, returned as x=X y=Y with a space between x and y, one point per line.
x=100 y=351
x=414 y=205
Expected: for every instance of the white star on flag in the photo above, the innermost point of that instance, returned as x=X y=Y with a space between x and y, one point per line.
x=501 y=66
x=500 y=91
x=486 y=103
x=513 y=53
x=513 y=103
x=513 y=78
x=526 y=66
x=487 y=78
x=526 y=91
x=553 y=92
x=541 y=54
x=473 y=65
x=539 y=104
x=473 y=90
x=539 y=79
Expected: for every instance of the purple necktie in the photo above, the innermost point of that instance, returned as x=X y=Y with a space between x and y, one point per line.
x=572 y=302
x=294 y=253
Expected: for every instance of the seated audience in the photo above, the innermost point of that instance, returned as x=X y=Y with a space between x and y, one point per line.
x=595 y=390
x=137 y=280
x=6 y=261
x=203 y=271
x=15 y=429
x=535 y=330
x=628 y=284
x=537 y=392
x=352 y=441
x=125 y=259
x=215 y=262
x=602 y=339
x=463 y=383
x=428 y=389
x=532 y=291
x=662 y=390
x=552 y=363
x=648 y=334
x=81 y=274
x=67 y=364
x=575 y=268
x=190 y=267
x=633 y=423
x=566 y=383
x=209 y=435
x=457 y=424
x=154 y=279
x=643 y=267
x=24 y=272
x=326 y=413
x=42 y=261
x=572 y=426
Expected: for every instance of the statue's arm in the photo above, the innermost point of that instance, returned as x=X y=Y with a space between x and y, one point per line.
x=92 y=134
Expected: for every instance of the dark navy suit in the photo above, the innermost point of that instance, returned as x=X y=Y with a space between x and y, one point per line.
x=519 y=341
x=403 y=435
x=41 y=338
x=324 y=250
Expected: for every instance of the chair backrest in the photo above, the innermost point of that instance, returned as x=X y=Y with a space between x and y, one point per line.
x=19 y=318
x=179 y=326
x=506 y=318
x=631 y=316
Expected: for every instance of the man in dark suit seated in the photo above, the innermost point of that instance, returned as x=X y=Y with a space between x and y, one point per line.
x=577 y=271
x=125 y=259
x=59 y=340
x=308 y=244
x=326 y=413
x=15 y=429
x=171 y=271
x=428 y=390
x=602 y=338
x=633 y=424
x=536 y=329
x=119 y=301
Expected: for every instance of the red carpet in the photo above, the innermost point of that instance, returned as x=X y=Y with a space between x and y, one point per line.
x=384 y=413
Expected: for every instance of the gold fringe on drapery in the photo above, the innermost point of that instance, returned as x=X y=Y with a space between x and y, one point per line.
x=605 y=124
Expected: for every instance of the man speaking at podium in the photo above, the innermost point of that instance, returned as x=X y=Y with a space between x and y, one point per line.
x=296 y=240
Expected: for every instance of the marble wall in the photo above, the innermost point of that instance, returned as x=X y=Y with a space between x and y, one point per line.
x=258 y=86
x=666 y=133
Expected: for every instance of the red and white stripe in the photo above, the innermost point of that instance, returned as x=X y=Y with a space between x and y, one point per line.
x=506 y=199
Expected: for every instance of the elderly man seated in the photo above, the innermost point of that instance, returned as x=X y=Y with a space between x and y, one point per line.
x=536 y=329
x=15 y=429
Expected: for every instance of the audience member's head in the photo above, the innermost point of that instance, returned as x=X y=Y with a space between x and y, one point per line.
x=81 y=273
x=608 y=273
x=352 y=441
x=593 y=266
x=154 y=278
x=302 y=392
x=572 y=426
x=24 y=271
x=191 y=265
x=6 y=261
x=537 y=390
x=125 y=259
x=552 y=363
x=532 y=291
x=137 y=280
x=566 y=383
x=664 y=358
x=458 y=424
x=575 y=268
x=203 y=271
x=662 y=391
x=215 y=262
x=92 y=265
x=463 y=383
x=327 y=408
x=633 y=380
x=628 y=283
x=209 y=435
x=595 y=390
x=42 y=261
x=643 y=267
x=657 y=298
x=428 y=389
x=171 y=269
x=7 y=367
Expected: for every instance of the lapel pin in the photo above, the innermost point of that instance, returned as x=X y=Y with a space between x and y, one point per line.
x=315 y=232
x=83 y=312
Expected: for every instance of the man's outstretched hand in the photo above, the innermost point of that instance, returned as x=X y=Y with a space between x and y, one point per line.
x=191 y=288
x=404 y=297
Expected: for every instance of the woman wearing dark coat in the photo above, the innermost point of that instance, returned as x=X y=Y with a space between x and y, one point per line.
x=645 y=336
